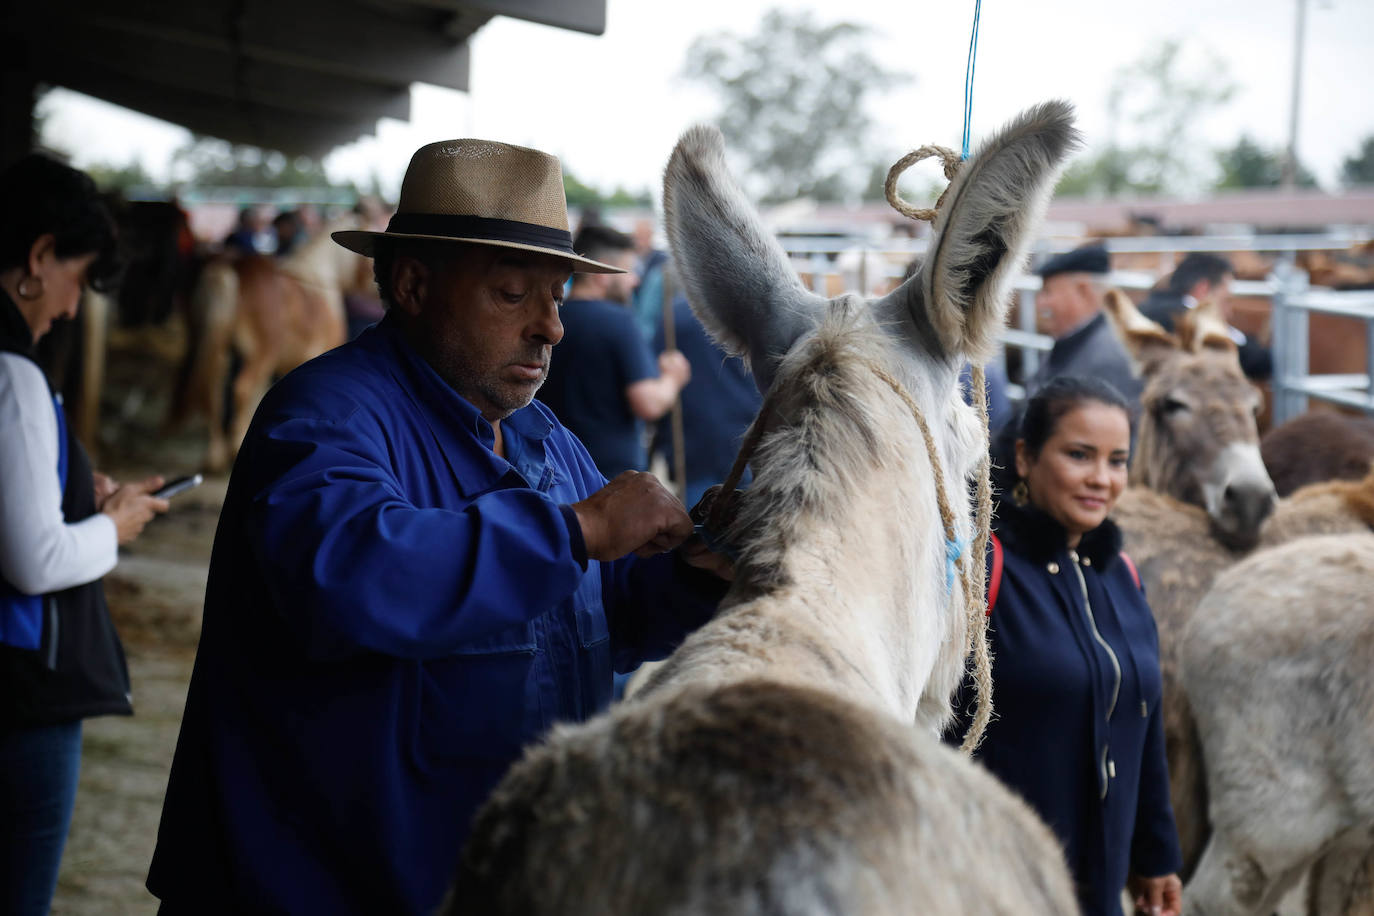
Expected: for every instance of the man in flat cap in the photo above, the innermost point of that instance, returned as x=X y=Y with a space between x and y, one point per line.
x=417 y=571
x=1070 y=306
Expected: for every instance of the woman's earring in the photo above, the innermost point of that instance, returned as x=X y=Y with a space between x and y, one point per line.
x=26 y=291
x=1020 y=494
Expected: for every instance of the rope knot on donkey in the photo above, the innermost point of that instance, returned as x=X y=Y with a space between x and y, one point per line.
x=950 y=161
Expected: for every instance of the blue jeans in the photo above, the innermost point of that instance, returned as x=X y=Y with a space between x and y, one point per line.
x=38 y=770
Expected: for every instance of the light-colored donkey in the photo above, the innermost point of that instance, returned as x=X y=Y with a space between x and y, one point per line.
x=785 y=758
x=1278 y=663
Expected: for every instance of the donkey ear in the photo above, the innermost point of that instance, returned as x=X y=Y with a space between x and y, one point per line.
x=981 y=236
x=1203 y=328
x=1146 y=341
x=736 y=275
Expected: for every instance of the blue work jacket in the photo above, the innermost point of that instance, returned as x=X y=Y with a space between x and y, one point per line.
x=1078 y=731
x=393 y=612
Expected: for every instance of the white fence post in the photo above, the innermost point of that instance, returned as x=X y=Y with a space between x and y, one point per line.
x=1290 y=341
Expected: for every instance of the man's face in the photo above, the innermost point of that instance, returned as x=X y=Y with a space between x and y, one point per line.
x=620 y=287
x=1064 y=302
x=1219 y=292
x=487 y=322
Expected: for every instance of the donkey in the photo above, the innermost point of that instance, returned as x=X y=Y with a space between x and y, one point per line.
x=1279 y=665
x=275 y=315
x=1198 y=440
x=784 y=759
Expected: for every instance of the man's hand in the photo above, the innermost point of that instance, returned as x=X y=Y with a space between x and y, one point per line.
x=673 y=365
x=1161 y=896
x=104 y=488
x=632 y=514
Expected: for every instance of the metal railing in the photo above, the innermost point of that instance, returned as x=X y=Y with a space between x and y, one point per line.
x=863 y=265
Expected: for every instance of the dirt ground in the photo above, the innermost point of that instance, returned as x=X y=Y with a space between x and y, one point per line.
x=155 y=596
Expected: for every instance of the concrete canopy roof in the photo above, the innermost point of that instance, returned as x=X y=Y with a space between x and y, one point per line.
x=300 y=76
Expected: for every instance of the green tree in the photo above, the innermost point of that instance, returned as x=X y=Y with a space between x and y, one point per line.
x=120 y=178
x=214 y=163
x=1358 y=168
x=1155 y=106
x=793 y=102
x=581 y=195
x=1249 y=165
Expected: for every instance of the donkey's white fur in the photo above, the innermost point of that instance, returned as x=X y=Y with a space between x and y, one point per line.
x=771 y=765
x=1278 y=665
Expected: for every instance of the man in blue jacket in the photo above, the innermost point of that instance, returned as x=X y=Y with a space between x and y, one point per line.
x=417 y=571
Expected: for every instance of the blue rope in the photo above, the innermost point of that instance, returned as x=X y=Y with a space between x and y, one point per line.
x=968 y=73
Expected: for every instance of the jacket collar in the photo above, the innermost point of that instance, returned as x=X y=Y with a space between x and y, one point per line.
x=15 y=336
x=1028 y=531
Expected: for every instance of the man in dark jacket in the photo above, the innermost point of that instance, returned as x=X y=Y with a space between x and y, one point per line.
x=1070 y=306
x=417 y=571
x=1198 y=277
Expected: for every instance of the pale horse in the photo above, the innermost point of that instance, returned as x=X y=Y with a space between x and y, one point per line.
x=785 y=759
x=276 y=314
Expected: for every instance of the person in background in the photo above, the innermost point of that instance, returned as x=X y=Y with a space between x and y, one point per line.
x=289 y=232
x=651 y=265
x=1069 y=304
x=1199 y=277
x=1078 y=731
x=254 y=234
x=718 y=404
x=60 y=527
x=605 y=383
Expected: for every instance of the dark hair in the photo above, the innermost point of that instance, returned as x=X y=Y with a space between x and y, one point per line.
x=1040 y=417
x=430 y=252
x=1199 y=265
x=42 y=196
x=601 y=242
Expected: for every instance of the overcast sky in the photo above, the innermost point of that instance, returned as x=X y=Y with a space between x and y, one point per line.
x=612 y=105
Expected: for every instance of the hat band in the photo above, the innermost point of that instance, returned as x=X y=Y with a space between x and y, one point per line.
x=481 y=227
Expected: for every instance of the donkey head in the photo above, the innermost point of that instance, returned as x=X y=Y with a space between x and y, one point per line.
x=745 y=291
x=741 y=285
x=1198 y=440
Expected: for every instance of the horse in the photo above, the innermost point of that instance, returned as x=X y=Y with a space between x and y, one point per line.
x=1318 y=445
x=1278 y=661
x=275 y=314
x=785 y=758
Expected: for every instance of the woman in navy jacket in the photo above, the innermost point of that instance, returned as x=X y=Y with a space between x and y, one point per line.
x=1076 y=655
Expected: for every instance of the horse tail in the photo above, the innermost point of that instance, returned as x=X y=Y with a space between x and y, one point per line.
x=209 y=335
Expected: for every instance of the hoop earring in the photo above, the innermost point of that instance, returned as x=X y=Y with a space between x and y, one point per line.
x=1020 y=494
x=27 y=294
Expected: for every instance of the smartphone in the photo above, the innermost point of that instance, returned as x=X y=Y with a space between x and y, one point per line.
x=180 y=485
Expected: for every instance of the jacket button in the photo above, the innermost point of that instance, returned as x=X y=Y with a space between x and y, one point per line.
x=1087 y=561
x=1053 y=567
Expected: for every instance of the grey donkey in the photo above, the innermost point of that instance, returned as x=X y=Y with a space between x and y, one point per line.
x=785 y=759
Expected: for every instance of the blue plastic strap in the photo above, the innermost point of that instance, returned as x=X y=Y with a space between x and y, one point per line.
x=953 y=551
x=968 y=73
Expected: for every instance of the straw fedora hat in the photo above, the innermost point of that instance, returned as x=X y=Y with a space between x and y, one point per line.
x=484 y=193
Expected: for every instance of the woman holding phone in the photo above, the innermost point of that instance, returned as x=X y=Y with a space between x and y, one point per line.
x=60 y=527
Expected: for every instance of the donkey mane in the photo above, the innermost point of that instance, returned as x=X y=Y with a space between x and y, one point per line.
x=831 y=412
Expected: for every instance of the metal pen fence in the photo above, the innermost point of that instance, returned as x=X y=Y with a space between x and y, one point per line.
x=828 y=263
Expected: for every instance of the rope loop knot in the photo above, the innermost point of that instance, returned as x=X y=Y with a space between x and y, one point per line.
x=951 y=162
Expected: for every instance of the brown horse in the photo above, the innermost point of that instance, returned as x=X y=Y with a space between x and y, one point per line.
x=1318 y=445
x=275 y=315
